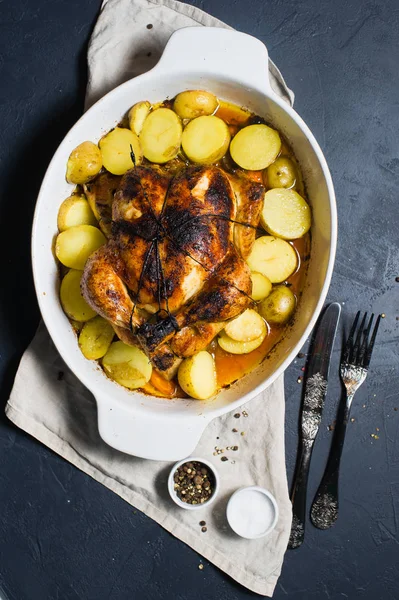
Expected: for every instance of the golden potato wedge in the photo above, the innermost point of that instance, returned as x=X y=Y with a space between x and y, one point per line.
x=281 y=173
x=274 y=258
x=261 y=286
x=197 y=376
x=137 y=115
x=285 y=214
x=195 y=103
x=255 y=147
x=116 y=147
x=160 y=136
x=205 y=140
x=95 y=338
x=74 y=211
x=234 y=347
x=74 y=245
x=246 y=327
x=279 y=306
x=84 y=163
x=73 y=303
x=127 y=365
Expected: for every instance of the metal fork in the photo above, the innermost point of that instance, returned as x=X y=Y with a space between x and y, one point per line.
x=353 y=369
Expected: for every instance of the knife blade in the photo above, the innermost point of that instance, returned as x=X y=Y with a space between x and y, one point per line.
x=315 y=390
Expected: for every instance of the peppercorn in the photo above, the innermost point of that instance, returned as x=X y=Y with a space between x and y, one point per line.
x=194 y=483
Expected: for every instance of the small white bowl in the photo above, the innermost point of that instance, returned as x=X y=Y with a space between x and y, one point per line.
x=171 y=483
x=233 y=512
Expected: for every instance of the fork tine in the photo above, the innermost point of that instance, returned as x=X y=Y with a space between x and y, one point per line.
x=348 y=345
x=356 y=346
x=367 y=358
x=363 y=347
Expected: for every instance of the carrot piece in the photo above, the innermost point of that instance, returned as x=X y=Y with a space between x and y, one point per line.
x=168 y=388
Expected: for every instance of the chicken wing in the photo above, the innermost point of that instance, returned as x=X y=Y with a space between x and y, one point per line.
x=249 y=199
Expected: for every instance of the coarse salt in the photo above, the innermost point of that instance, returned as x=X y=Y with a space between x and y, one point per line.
x=252 y=512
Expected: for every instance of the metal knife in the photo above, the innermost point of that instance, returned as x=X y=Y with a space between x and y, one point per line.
x=312 y=408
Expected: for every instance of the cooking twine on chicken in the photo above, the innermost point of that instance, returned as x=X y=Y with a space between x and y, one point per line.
x=160 y=232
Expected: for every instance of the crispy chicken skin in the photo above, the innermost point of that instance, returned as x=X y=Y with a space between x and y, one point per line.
x=175 y=250
x=100 y=194
x=104 y=290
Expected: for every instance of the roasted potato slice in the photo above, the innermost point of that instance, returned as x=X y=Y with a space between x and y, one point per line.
x=74 y=245
x=74 y=211
x=195 y=103
x=255 y=147
x=261 y=286
x=95 y=338
x=274 y=258
x=281 y=173
x=137 y=115
x=197 y=376
x=116 y=147
x=285 y=214
x=127 y=365
x=73 y=303
x=279 y=306
x=77 y=325
x=246 y=327
x=205 y=140
x=234 y=347
x=160 y=136
x=84 y=163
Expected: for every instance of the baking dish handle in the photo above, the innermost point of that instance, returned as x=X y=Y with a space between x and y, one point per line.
x=224 y=53
x=157 y=436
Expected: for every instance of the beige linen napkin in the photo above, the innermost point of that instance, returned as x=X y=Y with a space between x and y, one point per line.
x=50 y=403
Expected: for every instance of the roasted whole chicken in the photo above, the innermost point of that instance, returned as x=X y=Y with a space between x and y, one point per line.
x=173 y=270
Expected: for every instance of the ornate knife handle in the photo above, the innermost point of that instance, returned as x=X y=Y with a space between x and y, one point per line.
x=313 y=402
x=324 y=511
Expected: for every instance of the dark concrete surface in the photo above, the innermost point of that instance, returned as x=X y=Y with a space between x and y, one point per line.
x=64 y=536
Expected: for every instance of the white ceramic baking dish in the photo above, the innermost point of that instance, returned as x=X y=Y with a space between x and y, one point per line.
x=235 y=67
